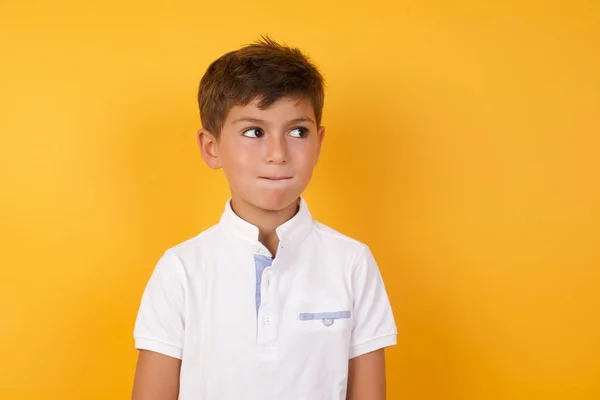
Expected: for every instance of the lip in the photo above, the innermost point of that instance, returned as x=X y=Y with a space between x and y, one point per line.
x=276 y=178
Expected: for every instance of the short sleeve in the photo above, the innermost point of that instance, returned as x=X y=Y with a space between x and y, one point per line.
x=159 y=326
x=374 y=326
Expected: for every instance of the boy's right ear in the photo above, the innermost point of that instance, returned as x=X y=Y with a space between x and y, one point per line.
x=209 y=148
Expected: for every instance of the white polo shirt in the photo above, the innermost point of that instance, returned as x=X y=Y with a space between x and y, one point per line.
x=248 y=330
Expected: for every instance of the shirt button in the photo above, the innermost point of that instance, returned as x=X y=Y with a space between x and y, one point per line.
x=267 y=319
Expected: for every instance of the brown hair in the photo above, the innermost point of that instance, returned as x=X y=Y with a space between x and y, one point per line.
x=265 y=70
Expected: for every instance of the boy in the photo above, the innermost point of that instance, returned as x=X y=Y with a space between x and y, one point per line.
x=267 y=304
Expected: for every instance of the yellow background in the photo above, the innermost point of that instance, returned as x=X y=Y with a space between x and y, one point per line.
x=463 y=147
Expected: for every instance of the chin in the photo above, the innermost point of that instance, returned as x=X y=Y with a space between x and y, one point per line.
x=276 y=201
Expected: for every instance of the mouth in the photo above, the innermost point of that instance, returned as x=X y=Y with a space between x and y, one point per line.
x=276 y=178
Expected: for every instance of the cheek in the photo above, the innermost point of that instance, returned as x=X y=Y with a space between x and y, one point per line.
x=306 y=156
x=240 y=160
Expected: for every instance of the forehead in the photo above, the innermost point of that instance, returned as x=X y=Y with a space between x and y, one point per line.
x=282 y=110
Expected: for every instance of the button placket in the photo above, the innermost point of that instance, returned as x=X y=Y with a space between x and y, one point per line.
x=266 y=285
x=268 y=321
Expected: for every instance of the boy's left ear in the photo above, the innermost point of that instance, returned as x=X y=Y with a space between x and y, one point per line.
x=320 y=138
x=208 y=148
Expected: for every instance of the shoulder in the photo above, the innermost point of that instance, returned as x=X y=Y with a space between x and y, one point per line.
x=190 y=254
x=194 y=244
x=335 y=241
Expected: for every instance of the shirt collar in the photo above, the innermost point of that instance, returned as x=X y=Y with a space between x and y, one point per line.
x=291 y=233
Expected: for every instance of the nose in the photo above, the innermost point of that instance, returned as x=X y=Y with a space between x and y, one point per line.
x=276 y=150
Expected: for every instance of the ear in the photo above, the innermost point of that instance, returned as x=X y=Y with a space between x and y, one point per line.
x=209 y=148
x=320 y=138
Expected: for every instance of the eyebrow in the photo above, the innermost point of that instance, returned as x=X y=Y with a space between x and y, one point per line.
x=260 y=121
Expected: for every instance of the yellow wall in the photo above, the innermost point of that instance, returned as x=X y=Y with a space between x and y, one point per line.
x=463 y=147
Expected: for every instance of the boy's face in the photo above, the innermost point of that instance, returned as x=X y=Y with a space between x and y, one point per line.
x=268 y=156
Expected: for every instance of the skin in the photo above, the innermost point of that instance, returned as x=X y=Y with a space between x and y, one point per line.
x=268 y=156
x=366 y=377
x=156 y=377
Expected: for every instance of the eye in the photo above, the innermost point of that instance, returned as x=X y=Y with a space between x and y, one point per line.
x=299 y=132
x=253 y=133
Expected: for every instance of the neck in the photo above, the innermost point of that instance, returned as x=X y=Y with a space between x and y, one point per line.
x=266 y=221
